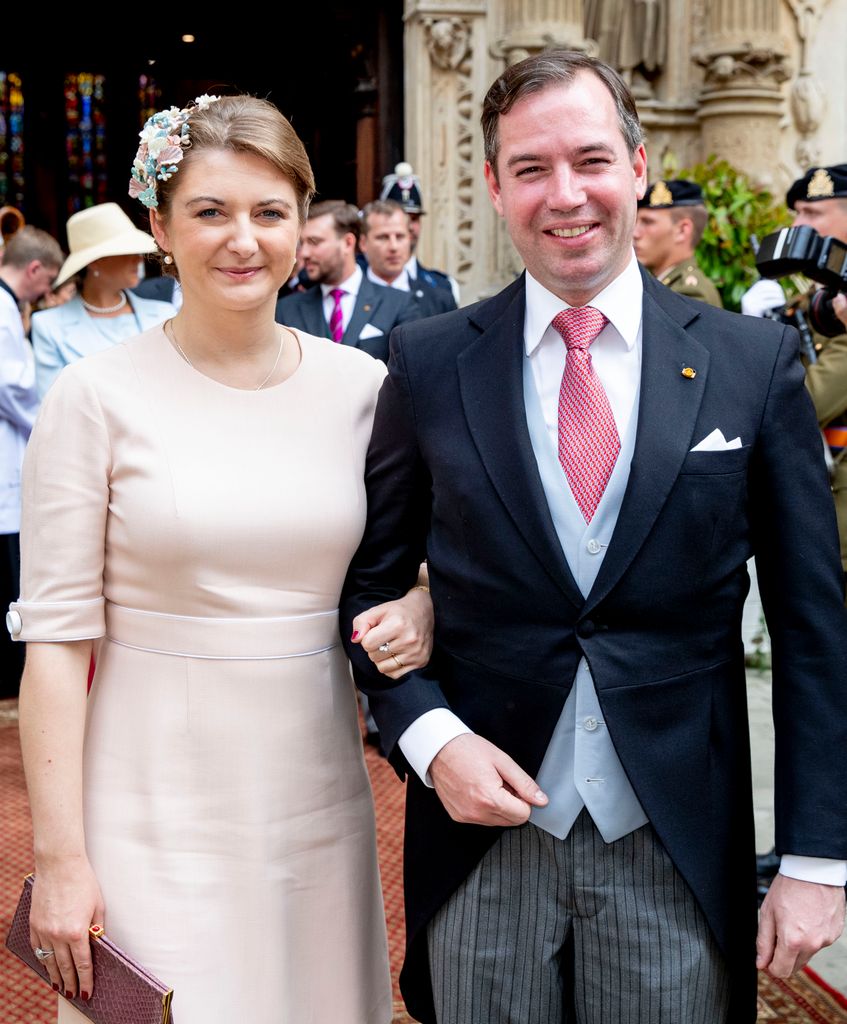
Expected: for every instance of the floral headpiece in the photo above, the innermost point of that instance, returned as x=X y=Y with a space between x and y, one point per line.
x=164 y=137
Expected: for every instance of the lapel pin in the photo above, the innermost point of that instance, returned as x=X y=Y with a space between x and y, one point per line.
x=367 y=308
x=689 y=372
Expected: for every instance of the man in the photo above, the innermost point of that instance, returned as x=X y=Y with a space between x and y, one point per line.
x=670 y=223
x=404 y=187
x=386 y=245
x=587 y=849
x=31 y=261
x=819 y=201
x=347 y=307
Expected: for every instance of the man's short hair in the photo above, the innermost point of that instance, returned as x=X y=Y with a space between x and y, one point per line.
x=382 y=208
x=699 y=217
x=345 y=216
x=549 y=68
x=28 y=244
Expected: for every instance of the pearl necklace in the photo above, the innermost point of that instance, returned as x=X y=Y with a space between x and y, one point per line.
x=169 y=325
x=105 y=309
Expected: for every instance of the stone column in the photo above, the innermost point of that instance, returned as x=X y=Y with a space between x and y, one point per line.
x=447 y=72
x=533 y=25
x=744 y=60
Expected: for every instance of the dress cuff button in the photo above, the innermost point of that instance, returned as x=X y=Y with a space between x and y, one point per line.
x=14 y=623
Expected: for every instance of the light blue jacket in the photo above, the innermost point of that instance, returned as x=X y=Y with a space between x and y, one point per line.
x=66 y=333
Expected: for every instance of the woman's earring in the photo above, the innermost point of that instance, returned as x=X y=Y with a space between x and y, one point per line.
x=168 y=259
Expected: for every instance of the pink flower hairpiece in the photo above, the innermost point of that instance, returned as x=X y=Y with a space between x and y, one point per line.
x=164 y=138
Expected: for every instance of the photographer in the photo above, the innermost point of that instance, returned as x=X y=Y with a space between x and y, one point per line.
x=819 y=201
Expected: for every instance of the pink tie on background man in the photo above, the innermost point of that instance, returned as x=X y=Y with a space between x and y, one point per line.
x=336 y=320
x=588 y=437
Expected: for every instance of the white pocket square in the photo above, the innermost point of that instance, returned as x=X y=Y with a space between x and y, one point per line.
x=716 y=442
x=369 y=331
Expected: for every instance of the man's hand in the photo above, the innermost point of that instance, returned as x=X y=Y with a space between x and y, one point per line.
x=797 y=919
x=481 y=785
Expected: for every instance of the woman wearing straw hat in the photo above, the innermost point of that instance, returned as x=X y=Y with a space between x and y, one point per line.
x=106 y=247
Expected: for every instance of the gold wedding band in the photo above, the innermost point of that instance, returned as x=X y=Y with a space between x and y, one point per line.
x=399 y=662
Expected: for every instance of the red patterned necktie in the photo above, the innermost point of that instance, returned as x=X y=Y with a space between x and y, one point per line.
x=336 y=320
x=588 y=437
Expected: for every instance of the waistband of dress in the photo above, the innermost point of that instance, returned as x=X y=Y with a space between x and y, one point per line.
x=290 y=636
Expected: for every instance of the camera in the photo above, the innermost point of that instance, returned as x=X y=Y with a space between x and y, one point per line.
x=820 y=258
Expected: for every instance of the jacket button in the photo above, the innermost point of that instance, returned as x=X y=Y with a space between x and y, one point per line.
x=13 y=623
x=585 y=629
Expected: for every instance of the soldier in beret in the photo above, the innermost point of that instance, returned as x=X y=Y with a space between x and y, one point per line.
x=670 y=223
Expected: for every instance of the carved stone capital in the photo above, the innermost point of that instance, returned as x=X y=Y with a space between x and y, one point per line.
x=731 y=68
x=447 y=40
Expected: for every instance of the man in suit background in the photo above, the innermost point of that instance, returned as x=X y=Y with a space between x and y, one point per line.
x=404 y=187
x=579 y=837
x=386 y=244
x=345 y=307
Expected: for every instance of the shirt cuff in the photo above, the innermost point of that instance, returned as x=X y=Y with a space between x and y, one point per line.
x=814 y=869
x=426 y=736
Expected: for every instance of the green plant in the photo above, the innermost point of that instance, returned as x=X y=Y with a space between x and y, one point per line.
x=738 y=211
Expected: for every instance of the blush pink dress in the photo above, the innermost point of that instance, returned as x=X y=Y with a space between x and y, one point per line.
x=200 y=534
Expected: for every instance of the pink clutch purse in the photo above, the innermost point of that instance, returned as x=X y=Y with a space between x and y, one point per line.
x=124 y=993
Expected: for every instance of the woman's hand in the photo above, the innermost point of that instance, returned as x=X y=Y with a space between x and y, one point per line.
x=66 y=901
x=403 y=631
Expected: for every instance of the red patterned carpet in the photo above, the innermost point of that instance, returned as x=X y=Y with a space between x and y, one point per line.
x=26 y=1000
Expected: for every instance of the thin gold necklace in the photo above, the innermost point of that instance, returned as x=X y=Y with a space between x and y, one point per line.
x=170 y=325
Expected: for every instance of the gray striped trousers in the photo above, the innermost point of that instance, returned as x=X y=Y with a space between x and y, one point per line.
x=575 y=931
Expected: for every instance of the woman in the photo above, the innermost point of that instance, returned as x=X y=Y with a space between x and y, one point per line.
x=192 y=498
x=107 y=249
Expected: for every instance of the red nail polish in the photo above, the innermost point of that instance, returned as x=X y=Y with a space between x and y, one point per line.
x=69 y=995
x=355 y=635
x=56 y=988
x=84 y=996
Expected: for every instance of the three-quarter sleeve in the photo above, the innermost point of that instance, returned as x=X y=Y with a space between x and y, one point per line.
x=65 y=500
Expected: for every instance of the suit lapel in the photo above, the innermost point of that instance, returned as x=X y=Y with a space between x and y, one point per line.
x=491 y=384
x=669 y=404
x=366 y=303
x=314 y=320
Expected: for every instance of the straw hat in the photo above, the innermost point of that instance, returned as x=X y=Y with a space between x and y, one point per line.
x=103 y=230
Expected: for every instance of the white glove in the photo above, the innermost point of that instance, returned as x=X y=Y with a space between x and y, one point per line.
x=764 y=295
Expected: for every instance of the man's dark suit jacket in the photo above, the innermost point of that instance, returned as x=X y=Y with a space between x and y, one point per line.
x=451 y=476
x=431 y=299
x=383 y=308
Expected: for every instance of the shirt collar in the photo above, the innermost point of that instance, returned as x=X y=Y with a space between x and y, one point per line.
x=401 y=282
x=620 y=302
x=351 y=285
x=8 y=288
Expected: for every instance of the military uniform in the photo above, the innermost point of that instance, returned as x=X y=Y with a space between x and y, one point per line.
x=826 y=379
x=826 y=382
x=687 y=278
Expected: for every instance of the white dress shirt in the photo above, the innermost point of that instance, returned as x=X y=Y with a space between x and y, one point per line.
x=401 y=282
x=616 y=359
x=350 y=287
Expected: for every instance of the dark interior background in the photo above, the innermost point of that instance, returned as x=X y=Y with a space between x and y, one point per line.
x=336 y=71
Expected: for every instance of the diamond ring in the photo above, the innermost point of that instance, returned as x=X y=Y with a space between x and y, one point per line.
x=43 y=954
x=385 y=648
